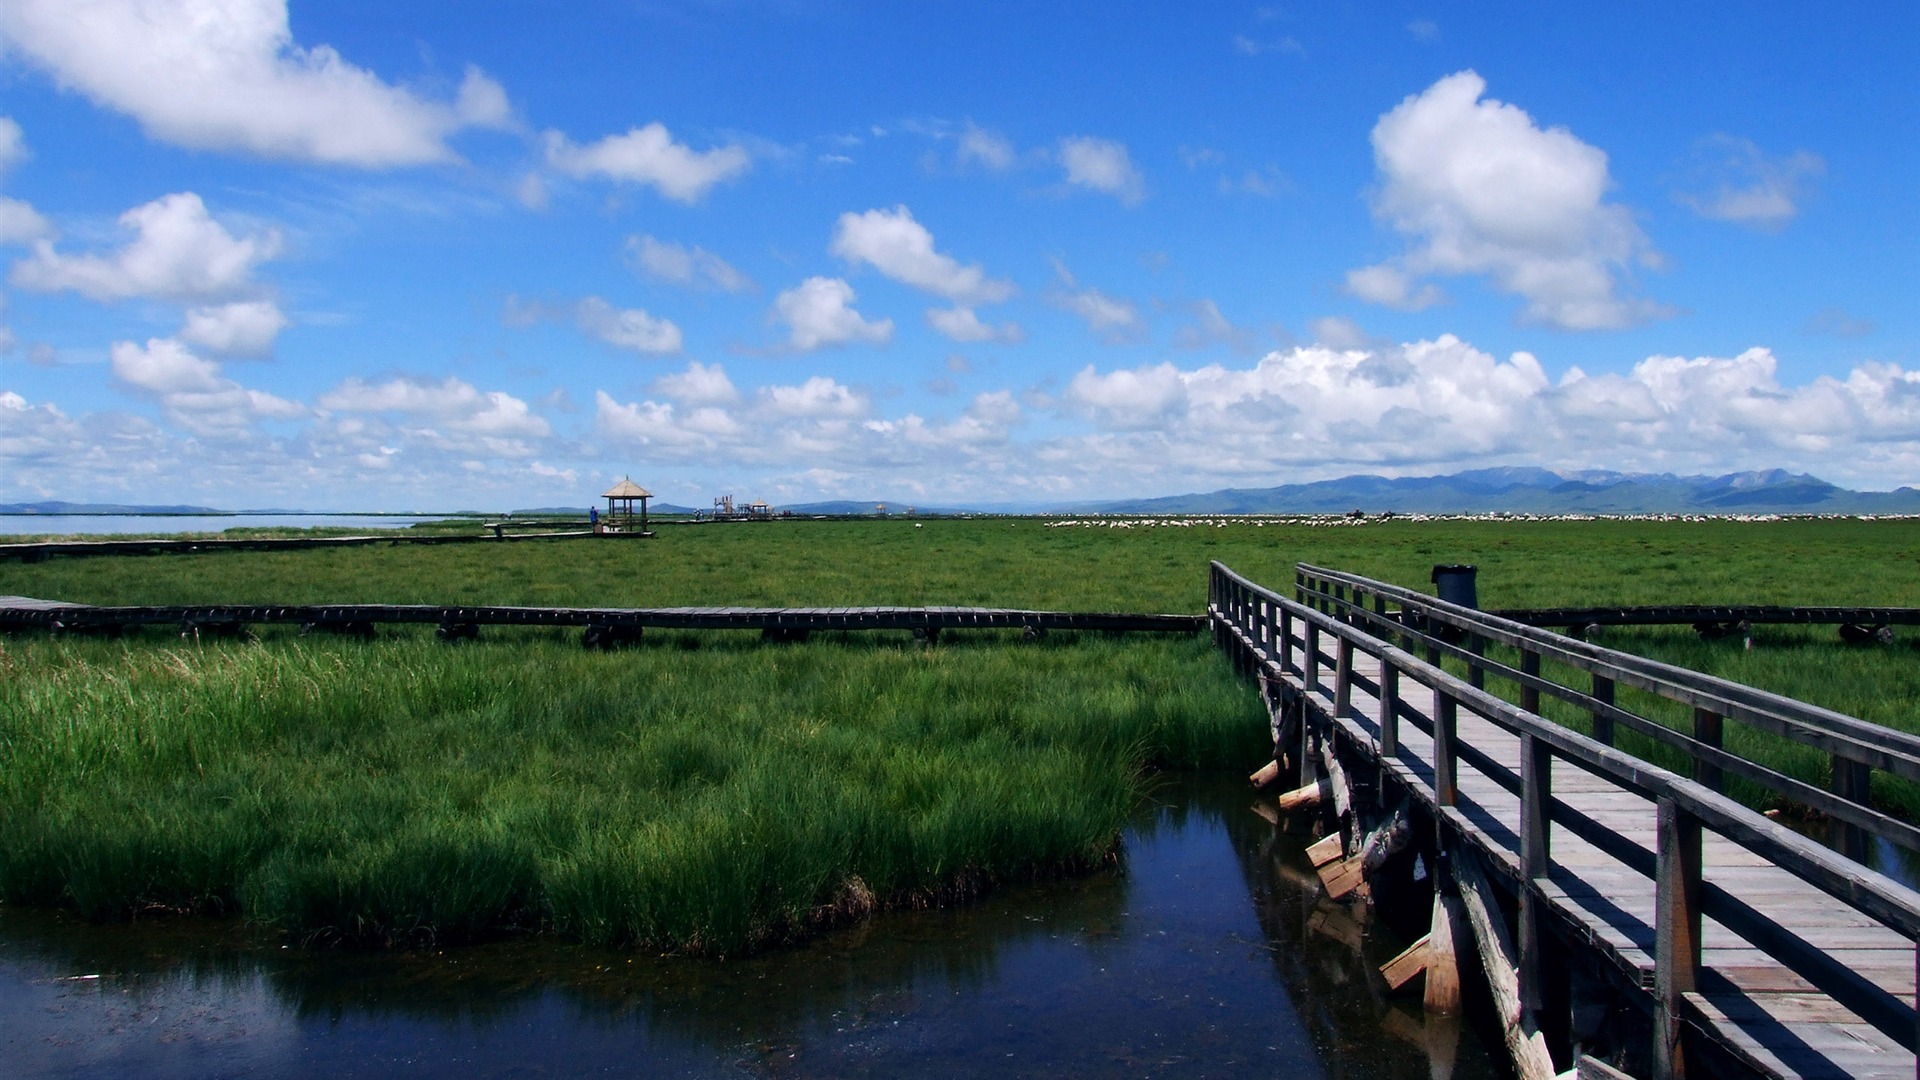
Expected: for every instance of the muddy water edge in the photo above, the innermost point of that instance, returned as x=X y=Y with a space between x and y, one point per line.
x=1208 y=952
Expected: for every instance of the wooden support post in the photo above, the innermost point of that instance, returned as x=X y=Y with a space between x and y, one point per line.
x=1676 y=932
x=1536 y=823
x=1476 y=675
x=1337 y=776
x=1265 y=777
x=1342 y=677
x=1311 y=664
x=1408 y=966
x=1530 y=695
x=1389 y=711
x=1446 y=722
x=1286 y=640
x=1852 y=781
x=1707 y=729
x=1306 y=797
x=1602 y=723
x=1528 y=1047
x=1443 y=955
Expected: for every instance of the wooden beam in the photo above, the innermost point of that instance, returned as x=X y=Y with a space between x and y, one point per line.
x=1326 y=850
x=1305 y=798
x=1411 y=963
x=1443 y=955
x=1525 y=1044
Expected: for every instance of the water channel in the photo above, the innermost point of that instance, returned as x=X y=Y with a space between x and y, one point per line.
x=71 y=525
x=1207 y=953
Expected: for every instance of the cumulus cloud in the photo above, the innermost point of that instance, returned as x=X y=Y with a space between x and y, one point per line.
x=179 y=252
x=13 y=144
x=627 y=328
x=243 y=328
x=1390 y=286
x=1102 y=165
x=819 y=311
x=700 y=384
x=1732 y=180
x=964 y=324
x=892 y=242
x=448 y=412
x=649 y=155
x=1478 y=188
x=36 y=434
x=227 y=75
x=988 y=149
x=21 y=223
x=192 y=389
x=678 y=264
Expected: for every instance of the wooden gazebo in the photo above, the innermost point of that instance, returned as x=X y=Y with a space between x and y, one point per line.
x=620 y=518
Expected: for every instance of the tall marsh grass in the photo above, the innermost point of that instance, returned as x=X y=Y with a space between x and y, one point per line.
x=695 y=793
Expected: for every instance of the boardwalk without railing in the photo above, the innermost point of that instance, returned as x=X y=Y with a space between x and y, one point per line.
x=23 y=613
x=1742 y=939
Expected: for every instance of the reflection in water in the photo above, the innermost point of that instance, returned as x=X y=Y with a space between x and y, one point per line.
x=1207 y=954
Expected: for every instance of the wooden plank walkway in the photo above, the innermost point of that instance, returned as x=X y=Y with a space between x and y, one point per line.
x=25 y=613
x=1599 y=864
x=69 y=549
x=1770 y=1015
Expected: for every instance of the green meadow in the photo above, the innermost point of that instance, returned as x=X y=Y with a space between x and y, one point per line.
x=709 y=792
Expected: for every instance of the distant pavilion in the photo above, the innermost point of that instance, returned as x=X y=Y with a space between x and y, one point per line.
x=621 y=519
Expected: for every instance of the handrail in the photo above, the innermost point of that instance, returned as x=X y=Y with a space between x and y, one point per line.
x=1263 y=621
x=1855 y=746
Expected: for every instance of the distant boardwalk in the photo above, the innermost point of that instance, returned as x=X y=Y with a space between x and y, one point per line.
x=1655 y=922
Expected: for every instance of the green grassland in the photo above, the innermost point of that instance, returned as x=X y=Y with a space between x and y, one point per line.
x=709 y=792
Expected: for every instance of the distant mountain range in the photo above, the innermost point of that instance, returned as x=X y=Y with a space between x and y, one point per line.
x=1513 y=490
x=1539 y=491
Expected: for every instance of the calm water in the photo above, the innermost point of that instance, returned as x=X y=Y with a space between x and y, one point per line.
x=146 y=524
x=1206 y=955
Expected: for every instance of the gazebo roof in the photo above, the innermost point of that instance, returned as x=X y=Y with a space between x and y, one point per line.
x=627 y=489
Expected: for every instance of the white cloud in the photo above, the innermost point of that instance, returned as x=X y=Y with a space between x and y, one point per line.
x=1390 y=286
x=13 y=144
x=37 y=434
x=818 y=397
x=989 y=149
x=1251 y=46
x=1113 y=320
x=892 y=242
x=482 y=102
x=963 y=324
x=1211 y=327
x=243 y=328
x=20 y=222
x=193 y=391
x=648 y=155
x=818 y=312
x=227 y=75
x=700 y=384
x=1337 y=332
x=695 y=267
x=627 y=328
x=1102 y=165
x=1734 y=181
x=1479 y=188
x=451 y=405
x=1424 y=31
x=178 y=253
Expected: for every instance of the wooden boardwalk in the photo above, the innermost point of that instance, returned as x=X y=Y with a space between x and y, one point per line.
x=1587 y=850
x=25 y=613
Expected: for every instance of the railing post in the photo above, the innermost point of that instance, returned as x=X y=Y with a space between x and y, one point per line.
x=1311 y=677
x=1342 y=677
x=1389 y=710
x=1706 y=729
x=1476 y=675
x=1852 y=781
x=1536 y=860
x=1530 y=695
x=1300 y=587
x=1286 y=639
x=1602 y=723
x=1676 y=933
x=1446 y=723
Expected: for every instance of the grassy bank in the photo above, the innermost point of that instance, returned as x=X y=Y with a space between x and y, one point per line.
x=687 y=794
x=707 y=791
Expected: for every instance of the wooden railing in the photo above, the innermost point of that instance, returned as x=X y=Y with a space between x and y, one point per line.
x=1279 y=636
x=1855 y=748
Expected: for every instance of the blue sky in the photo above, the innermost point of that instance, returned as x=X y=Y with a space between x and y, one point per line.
x=368 y=255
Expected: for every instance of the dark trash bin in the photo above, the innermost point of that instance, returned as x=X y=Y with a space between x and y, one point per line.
x=1456 y=584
